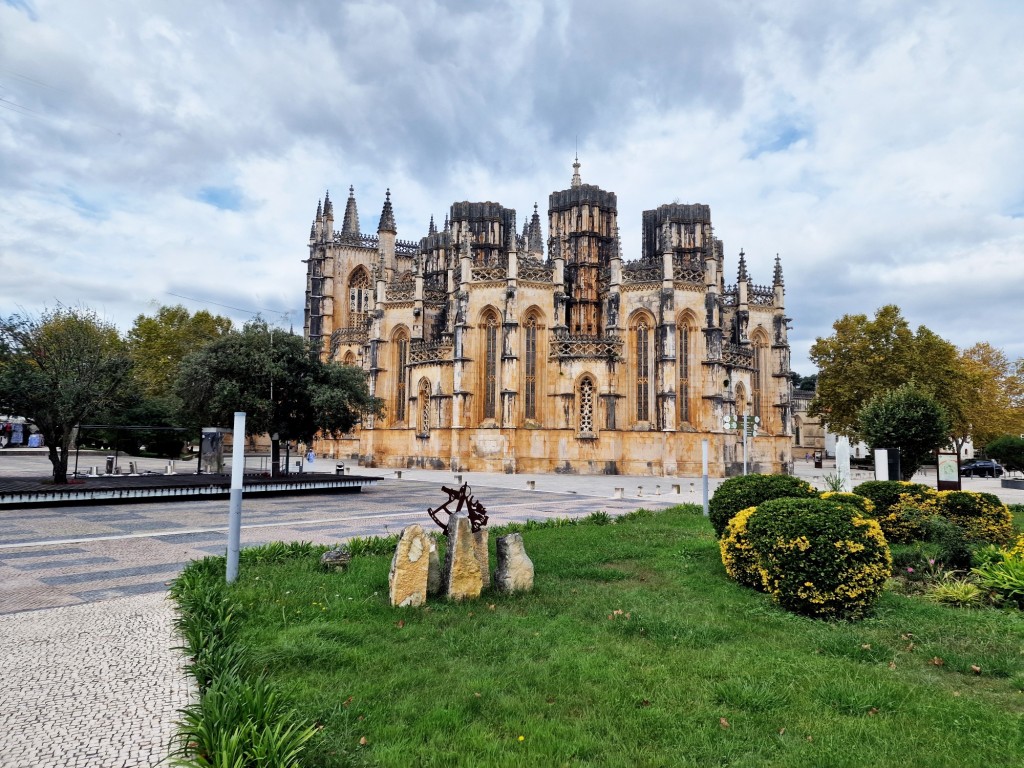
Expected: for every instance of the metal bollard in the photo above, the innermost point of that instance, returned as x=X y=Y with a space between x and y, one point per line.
x=531 y=485
x=639 y=490
x=458 y=479
x=657 y=490
x=398 y=474
x=677 y=488
x=618 y=493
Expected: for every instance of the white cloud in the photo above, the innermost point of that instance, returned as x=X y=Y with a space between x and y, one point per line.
x=152 y=149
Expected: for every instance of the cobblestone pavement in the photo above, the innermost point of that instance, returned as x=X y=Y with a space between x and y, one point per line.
x=90 y=685
x=90 y=677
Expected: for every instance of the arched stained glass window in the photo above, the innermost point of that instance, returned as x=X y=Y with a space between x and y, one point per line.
x=643 y=371
x=401 y=359
x=490 y=366
x=530 y=369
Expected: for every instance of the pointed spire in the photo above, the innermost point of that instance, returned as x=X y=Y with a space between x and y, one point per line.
x=618 y=244
x=319 y=210
x=350 y=224
x=743 y=268
x=536 y=238
x=312 y=231
x=576 y=181
x=778 y=271
x=328 y=205
x=387 y=215
x=431 y=230
x=447 y=224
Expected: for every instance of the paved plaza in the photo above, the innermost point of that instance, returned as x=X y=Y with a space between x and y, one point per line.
x=90 y=674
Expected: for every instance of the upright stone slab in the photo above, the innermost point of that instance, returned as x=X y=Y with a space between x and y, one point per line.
x=515 y=569
x=407 y=580
x=461 y=577
x=433 y=571
x=480 y=539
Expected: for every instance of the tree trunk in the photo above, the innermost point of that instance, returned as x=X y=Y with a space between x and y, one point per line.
x=59 y=459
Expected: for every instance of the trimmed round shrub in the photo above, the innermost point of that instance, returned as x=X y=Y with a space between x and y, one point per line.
x=738 y=556
x=738 y=493
x=818 y=557
x=982 y=517
x=910 y=518
x=862 y=503
x=902 y=509
x=885 y=494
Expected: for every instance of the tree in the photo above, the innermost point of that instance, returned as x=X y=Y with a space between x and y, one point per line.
x=278 y=380
x=865 y=358
x=990 y=403
x=159 y=343
x=1008 y=451
x=908 y=419
x=57 y=371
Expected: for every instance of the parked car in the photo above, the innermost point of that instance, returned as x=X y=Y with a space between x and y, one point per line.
x=981 y=468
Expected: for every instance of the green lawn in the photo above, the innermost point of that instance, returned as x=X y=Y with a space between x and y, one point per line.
x=635 y=649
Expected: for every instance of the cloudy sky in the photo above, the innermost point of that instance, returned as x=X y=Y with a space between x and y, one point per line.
x=151 y=151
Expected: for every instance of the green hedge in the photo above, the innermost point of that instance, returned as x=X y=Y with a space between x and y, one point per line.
x=738 y=493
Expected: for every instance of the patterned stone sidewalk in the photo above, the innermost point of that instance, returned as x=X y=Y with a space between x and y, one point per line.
x=90 y=685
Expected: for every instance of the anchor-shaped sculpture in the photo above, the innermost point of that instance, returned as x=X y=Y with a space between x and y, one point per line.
x=476 y=512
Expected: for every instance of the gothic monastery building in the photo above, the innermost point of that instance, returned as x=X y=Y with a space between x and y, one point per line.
x=497 y=350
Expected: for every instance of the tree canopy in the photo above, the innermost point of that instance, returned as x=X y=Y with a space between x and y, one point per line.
x=864 y=358
x=908 y=419
x=158 y=343
x=1008 y=450
x=278 y=380
x=59 y=369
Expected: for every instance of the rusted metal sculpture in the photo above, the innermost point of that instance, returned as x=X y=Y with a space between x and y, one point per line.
x=475 y=510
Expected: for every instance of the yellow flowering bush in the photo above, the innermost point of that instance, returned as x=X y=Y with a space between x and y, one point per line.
x=738 y=556
x=981 y=516
x=1016 y=550
x=907 y=520
x=818 y=557
x=738 y=493
x=863 y=503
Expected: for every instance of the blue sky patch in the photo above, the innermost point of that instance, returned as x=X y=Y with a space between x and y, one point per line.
x=23 y=5
x=225 y=198
x=776 y=136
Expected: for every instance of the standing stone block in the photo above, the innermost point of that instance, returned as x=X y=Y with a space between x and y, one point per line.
x=407 y=580
x=433 y=571
x=462 y=578
x=515 y=569
x=480 y=539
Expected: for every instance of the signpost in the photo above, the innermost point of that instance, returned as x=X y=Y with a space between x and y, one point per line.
x=749 y=424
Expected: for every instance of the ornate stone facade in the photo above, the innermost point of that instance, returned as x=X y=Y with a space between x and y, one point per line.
x=493 y=355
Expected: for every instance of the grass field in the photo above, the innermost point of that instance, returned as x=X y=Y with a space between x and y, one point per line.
x=635 y=649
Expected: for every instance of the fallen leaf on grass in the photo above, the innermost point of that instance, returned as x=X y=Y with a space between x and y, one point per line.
x=723 y=722
x=347 y=701
x=892 y=665
x=782 y=731
x=810 y=738
x=936 y=661
x=401 y=623
x=644 y=703
x=490 y=607
x=477 y=695
x=910 y=648
x=362 y=741
x=975 y=669
x=873 y=711
x=866 y=647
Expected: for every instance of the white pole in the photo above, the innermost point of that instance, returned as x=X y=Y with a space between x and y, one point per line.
x=235 y=512
x=704 y=471
x=744 y=443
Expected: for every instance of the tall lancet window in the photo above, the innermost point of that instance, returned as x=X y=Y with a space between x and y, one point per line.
x=530 y=369
x=401 y=359
x=683 y=397
x=643 y=371
x=490 y=366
